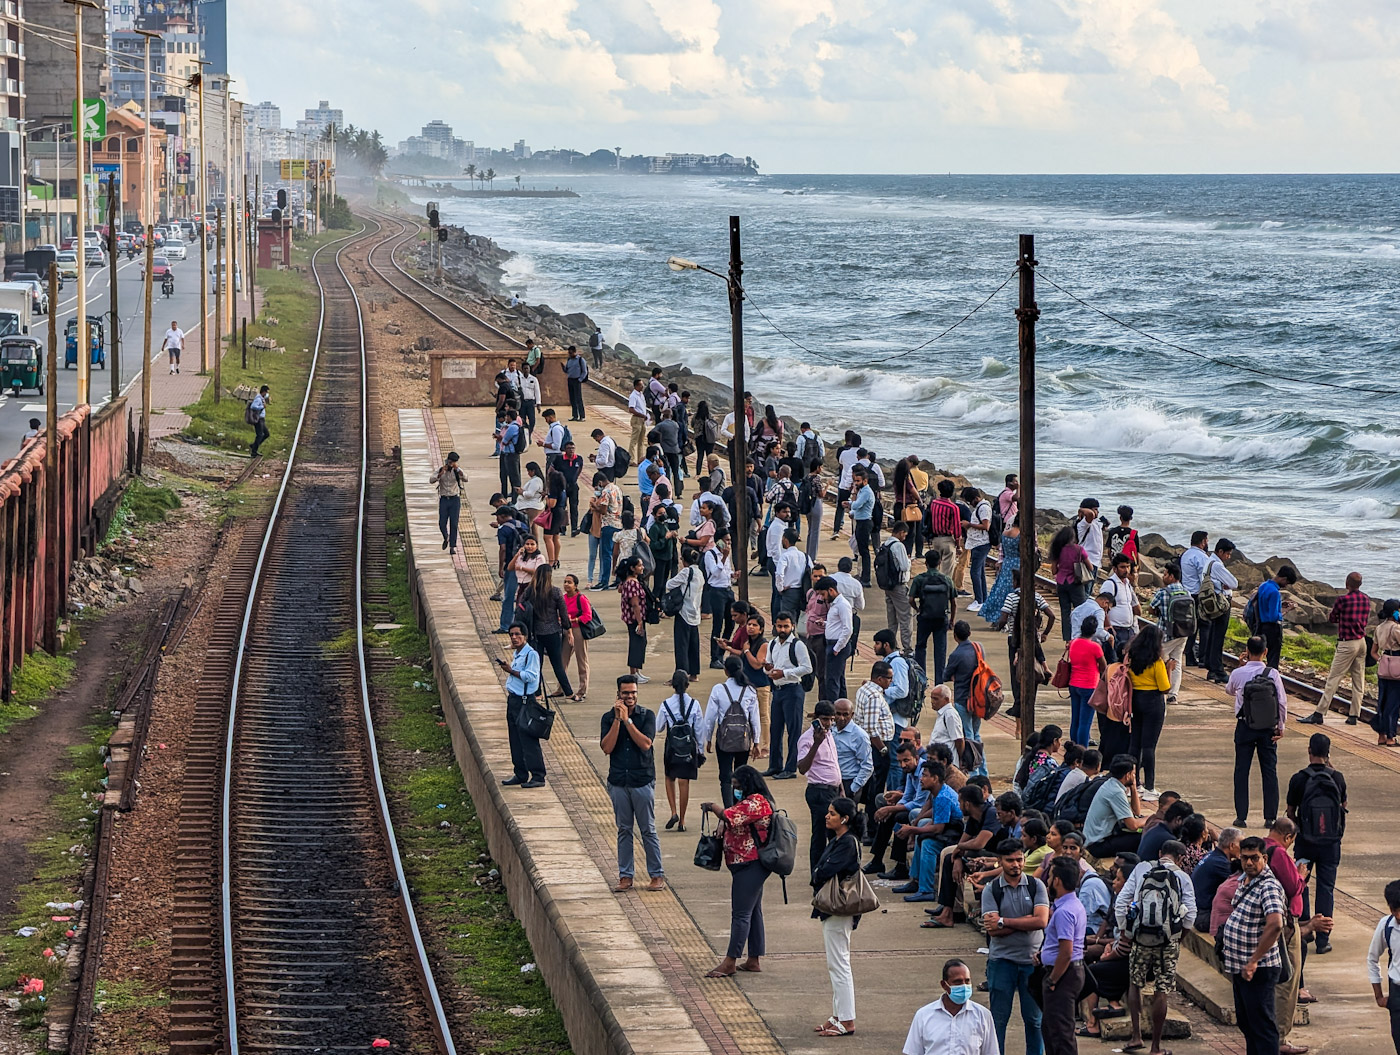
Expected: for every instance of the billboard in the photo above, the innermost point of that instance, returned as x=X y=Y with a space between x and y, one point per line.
x=300 y=168
x=182 y=163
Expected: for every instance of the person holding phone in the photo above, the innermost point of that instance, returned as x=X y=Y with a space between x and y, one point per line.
x=522 y=686
x=818 y=762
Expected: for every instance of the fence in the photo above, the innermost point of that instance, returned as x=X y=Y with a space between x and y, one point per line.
x=36 y=558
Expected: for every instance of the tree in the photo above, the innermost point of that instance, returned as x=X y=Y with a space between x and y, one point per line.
x=471 y=174
x=490 y=176
x=517 y=182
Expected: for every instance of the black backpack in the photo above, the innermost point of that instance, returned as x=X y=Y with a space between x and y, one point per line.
x=622 y=461
x=1259 y=703
x=674 y=600
x=912 y=704
x=1320 y=809
x=886 y=575
x=681 y=747
x=1181 y=615
x=1041 y=794
x=734 y=734
x=997 y=524
x=1074 y=807
x=934 y=598
x=805 y=495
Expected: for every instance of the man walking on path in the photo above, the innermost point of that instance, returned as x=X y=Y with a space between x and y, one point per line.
x=1062 y=956
x=1249 y=951
x=935 y=597
x=1269 y=606
x=1165 y=901
x=173 y=345
x=1015 y=910
x=1261 y=712
x=449 y=480
x=257 y=410
x=862 y=509
x=576 y=370
x=788 y=663
x=627 y=733
x=523 y=685
x=892 y=566
x=1317 y=804
x=839 y=631
x=1350 y=613
x=606 y=454
x=637 y=410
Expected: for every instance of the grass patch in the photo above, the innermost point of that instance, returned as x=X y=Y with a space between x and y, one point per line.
x=141 y=504
x=388 y=194
x=289 y=297
x=1300 y=649
x=449 y=868
x=39 y=678
x=132 y=994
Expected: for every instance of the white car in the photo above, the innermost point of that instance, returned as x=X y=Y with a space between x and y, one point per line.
x=174 y=249
x=95 y=257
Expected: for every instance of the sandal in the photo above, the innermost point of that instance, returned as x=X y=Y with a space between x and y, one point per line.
x=1083 y=1031
x=835 y=1029
x=827 y=1024
x=717 y=973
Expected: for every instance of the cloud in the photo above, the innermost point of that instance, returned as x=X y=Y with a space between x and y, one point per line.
x=1117 y=84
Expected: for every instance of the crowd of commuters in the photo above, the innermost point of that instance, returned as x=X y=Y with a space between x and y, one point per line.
x=1070 y=944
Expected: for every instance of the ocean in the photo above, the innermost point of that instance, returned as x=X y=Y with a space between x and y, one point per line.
x=1257 y=275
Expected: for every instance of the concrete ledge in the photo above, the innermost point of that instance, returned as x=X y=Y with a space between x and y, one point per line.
x=612 y=994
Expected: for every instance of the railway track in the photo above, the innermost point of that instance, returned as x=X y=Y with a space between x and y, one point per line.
x=475 y=331
x=321 y=951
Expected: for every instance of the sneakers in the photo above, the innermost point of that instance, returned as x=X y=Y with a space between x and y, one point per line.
x=974 y=607
x=642 y=679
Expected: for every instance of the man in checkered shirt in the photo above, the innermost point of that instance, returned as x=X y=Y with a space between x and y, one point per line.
x=1249 y=948
x=1350 y=612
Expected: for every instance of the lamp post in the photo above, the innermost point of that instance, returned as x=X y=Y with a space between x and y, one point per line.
x=738 y=458
x=80 y=221
x=203 y=235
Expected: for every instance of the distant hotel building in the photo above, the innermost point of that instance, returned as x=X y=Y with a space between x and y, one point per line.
x=718 y=164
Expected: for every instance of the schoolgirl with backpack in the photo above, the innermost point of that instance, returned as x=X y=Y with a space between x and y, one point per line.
x=681 y=715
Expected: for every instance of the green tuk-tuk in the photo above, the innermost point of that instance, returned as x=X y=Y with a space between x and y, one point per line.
x=21 y=364
x=96 y=338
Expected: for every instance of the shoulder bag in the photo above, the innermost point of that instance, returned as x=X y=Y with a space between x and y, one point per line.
x=709 y=852
x=534 y=719
x=851 y=896
x=594 y=627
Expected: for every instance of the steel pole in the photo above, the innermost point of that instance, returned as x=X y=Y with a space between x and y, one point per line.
x=146 y=351
x=114 y=354
x=1026 y=315
x=200 y=192
x=739 y=477
x=52 y=600
x=80 y=220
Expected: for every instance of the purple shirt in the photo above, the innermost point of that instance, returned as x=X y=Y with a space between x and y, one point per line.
x=825 y=768
x=1067 y=920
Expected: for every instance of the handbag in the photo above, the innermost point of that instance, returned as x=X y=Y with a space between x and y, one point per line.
x=912 y=513
x=709 y=851
x=852 y=896
x=535 y=720
x=544 y=518
x=1060 y=680
x=593 y=628
x=585 y=523
x=1084 y=572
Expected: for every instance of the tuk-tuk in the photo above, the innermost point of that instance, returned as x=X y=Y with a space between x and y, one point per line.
x=21 y=364
x=96 y=338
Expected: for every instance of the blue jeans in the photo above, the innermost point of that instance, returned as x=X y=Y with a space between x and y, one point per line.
x=786 y=712
x=972 y=730
x=923 y=865
x=508 y=600
x=601 y=549
x=1081 y=715
x=1005 y=980
x=978 y=570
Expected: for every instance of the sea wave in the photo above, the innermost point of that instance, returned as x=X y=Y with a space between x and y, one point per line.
x=1378 y=442
x=1141 y=427
x=1366 y=509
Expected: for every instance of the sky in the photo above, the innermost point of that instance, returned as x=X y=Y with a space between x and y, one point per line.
x=821 y=86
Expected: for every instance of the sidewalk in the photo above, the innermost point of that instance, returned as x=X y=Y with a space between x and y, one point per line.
x=895 y=962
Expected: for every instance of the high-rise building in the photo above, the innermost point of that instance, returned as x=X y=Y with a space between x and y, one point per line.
x=266 y=116
x=13 y=182
x=49 y=60
x=213 y=23
x=316 y=121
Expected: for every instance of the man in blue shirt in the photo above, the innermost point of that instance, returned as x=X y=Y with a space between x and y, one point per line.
x=898 y=807
x=1216 y=867
x=862 y=509
x=853 y=753
x=896 y=690
x=522 y=686
x=1268 y=604
x=938 y=825
x=576 y=370
x=512 y=442
x=961 y=665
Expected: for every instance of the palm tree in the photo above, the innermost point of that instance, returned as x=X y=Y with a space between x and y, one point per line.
x=517 y=182
x=490 y=176
x=470 y=170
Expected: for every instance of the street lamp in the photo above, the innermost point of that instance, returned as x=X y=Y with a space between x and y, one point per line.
x=57 y=130
x=80 y=221
x=738 y=451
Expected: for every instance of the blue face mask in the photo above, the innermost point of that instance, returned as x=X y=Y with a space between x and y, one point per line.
x=738 y=795
x=960 y=994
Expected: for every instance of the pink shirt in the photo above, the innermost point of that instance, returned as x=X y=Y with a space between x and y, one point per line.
x=1084 y=656
x=825 y=767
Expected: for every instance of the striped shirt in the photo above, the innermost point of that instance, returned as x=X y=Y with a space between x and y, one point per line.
x=944 y=518
x=1012 y=605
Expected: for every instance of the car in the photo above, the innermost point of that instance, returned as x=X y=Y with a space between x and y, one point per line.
x=41 y=290
x=175 y=249
x=219 y=269
x=70 y=243
x=160 y=266
x=68 y=263
x=95 y=256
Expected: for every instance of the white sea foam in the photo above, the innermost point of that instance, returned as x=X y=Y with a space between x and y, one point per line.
x=1150 y=430
x=1366 y=509
x=1379 y=442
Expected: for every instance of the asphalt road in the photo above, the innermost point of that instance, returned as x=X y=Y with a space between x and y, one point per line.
x=15 y=412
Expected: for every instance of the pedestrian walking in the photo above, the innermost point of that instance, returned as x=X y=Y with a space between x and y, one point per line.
x=954 y=1022
x=1015 y=910
x=978 y=543
x=448 y=479
x=817 y=760
x=173 y=344
x=685 y=623
x=718 y=596
x=682 y=716
x=510 y=539
x=513 y=443
x=626 y=737
x=1386 y=940
x=789 y=662
x=605 y=521
x=575 y=368
x=1068 y=557
x=1123 y=613
x=704 y=431
x=1261 y=712
x=1249 y=948
x=1211 y=629
x=1154 y=908
x=605 y=457
x=1062 y=957
x=892 y=567
x=731 y=722
x=861 y=506
x=753 y=656
x=1386 y=652
x=637 y=412
x=1317 y=804
x=1350 y=614
x=570 y=466
x=840 y=860
x=523 y=686
x=744 y=827
x=935 y=600
x=811 y=504
x=839 y=638
x=540 y=607
x=1005 y=582
x=529 y=399
x=632 y=595
x=580 y=612
x=257 y=417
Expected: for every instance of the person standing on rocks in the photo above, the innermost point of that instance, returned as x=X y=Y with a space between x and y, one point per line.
x=576 y=370
x=1350 y=614
x=595 y=346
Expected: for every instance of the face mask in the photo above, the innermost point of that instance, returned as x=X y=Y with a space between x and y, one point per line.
x=738 y=795
x=960 y=994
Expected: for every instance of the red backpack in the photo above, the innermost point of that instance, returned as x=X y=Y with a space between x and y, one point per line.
x=985 y=697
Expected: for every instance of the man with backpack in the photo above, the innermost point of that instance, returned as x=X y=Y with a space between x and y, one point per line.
x=1015 y=910
x=789 y=662
x=1154 y=907
x=509 y=537
x=1317 y=804
x=514 y=442
x=892 y=576
x=961 y=667
x=811 y=451
x=934 y=597
x=1176 y=615
x=1261 y=713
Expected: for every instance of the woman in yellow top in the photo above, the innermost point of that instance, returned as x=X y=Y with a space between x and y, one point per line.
x=1033 y=833
x=1151 y=680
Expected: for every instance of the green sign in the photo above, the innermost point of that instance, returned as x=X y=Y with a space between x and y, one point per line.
x=94 y=119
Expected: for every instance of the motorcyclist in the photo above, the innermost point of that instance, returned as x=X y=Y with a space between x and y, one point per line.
x=167 y=284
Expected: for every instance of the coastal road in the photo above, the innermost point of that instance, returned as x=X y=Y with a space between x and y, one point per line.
x=15 y=412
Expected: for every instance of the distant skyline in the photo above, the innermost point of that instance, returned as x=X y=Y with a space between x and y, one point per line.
x=1114 y=86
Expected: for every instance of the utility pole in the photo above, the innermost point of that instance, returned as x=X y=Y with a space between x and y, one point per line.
x=52 y=600
x=80 y=219
x=738 y=474
x=219 y=279
x=145 y=446
x=203 y=237
x=114 y=354
x=1026 y=315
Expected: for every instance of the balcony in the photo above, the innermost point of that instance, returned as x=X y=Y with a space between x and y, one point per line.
x=9 y=86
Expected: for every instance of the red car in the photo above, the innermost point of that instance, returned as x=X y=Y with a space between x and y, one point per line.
x=160 y=267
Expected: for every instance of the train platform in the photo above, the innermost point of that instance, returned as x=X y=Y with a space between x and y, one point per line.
x=634 y=963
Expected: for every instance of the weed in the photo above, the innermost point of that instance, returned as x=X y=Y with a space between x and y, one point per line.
x=142 y=504
x=39 y=678
x=128 y=995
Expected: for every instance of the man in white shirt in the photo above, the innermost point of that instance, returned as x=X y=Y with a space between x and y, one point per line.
x=846 y=459
x=637 y=408
x=788 y=663
x=606 y=457
x=685 y=624
x=787 y=576
x=553 y=439
x=1088 y=532
x=773 y=537
x=1096 y=606
x=840 y=631
x=513 y=374
x=955 y=1024
x=897 y=613
x=1210 y=633
x=853 y=591
x=173 y=345
x=726 y=693
x=947 y=726
x=1122 y=616
x=529 y=400
x=718 y=594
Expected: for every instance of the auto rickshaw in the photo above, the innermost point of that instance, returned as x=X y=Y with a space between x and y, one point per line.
x=21 y=364
x=96 y=337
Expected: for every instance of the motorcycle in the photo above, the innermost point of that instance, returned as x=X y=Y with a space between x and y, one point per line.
x=131 y=252
x=167 y=286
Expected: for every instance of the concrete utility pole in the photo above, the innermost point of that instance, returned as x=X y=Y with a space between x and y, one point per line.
x=219 y=279
x=203 y=237
x=1026 y=315
x=52 y=600
x=146 y=353
x=738 y=473
x=80 y=220
x=149 y=188
x=114 y=355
